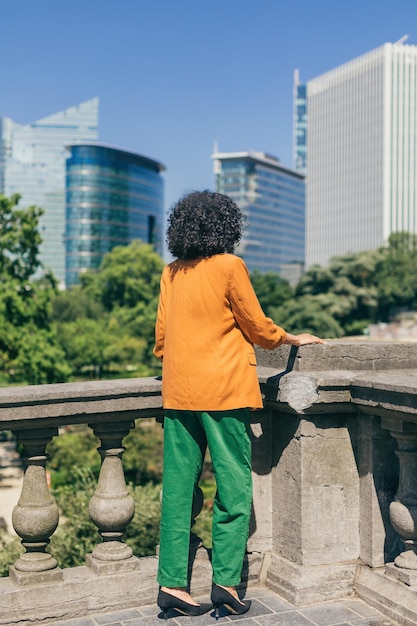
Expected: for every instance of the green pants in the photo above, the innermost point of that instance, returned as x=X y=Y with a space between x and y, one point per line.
x=186 y=436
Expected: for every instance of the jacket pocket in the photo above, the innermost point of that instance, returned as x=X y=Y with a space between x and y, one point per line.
x=252 y=358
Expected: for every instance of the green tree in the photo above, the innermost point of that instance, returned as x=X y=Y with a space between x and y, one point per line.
x=127 y=285
x=306 y=315
x=19 y=239
x=127 y=275
x=29 y=350
x=316 y=280
x=271 y=289
x=104 y=346
x=344 y=290
x=73 y=452
x=38 y=358
x=84 y=342
x=73 y=304
x=396 y=275
x=106 y=324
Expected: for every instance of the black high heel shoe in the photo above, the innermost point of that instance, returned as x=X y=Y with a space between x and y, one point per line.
x=219 y=596
x=167 y=601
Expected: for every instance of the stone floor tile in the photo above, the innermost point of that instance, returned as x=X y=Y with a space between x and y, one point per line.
x=147 y=620
x=288 y=618
x=329 y=613
x=275 y=603
x=151 y=609
x=117 y=616
x=374 y=621
x=244 y=620
x=364 y=610
x=202 y=620
x=83 y=621
x=257 y=608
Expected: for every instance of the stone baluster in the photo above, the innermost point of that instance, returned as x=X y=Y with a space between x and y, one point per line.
x=36 y=515
x=111 y=508
x=403 y=510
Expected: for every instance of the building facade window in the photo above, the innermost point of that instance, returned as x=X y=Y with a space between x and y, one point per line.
x=273 y=199
x=112 y=198
x=362 y=153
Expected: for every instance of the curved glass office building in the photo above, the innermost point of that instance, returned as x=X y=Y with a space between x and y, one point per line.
x=112 y=197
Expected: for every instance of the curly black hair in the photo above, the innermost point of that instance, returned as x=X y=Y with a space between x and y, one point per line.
x=204 y=223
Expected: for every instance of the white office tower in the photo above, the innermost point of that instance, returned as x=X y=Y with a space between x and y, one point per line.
x=33 y=164
x=362 y=153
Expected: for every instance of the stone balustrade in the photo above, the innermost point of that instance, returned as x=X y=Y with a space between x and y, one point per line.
x=335 y=489
x=37 y=590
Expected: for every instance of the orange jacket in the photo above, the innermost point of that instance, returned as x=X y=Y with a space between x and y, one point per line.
x=208 y=319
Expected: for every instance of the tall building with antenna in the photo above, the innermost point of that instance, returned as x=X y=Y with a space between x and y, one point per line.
x=362 y=153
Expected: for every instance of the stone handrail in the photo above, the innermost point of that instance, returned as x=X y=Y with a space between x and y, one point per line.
x=335 y=495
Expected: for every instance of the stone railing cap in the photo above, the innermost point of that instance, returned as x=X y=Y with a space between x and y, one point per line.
x=341 y=354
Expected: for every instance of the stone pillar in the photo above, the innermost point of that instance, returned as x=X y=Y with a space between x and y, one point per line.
x=315 y=507
x=403 y=510
x=36 y=515
x=111 y=508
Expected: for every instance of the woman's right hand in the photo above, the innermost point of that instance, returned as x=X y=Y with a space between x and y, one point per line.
x=303 y=339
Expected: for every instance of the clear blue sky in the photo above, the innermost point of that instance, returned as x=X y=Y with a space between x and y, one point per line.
x=173 y=76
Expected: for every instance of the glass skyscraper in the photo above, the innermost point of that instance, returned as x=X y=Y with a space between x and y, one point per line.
x=362 y=153
x=113 y=197
x=32 y=163
x=272 y=197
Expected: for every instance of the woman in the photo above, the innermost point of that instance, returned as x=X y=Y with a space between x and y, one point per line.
x=208 y=320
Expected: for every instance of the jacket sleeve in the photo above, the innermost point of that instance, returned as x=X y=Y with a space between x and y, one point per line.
x=160 y=320
x=247 y=311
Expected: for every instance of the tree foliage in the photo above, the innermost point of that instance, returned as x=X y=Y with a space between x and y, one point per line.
x=75 y=450
x=305 y=315
x=271 y=289
x=353 y=291
x=29 y=349
x=127 y=275
x=396 y=275
x=106 y=325
x=345 y=289
x=19 y=240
